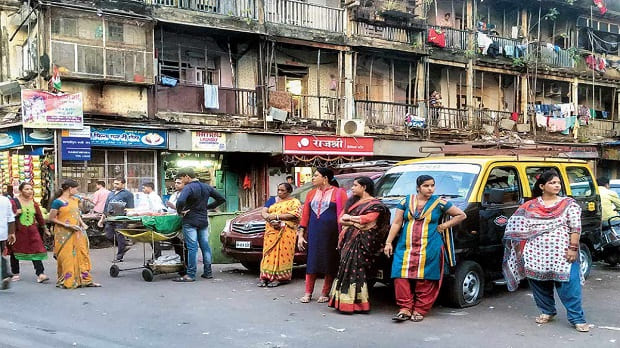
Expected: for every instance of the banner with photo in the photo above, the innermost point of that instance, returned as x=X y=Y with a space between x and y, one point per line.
x=45 y=110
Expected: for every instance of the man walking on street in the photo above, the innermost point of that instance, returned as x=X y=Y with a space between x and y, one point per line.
x=193 y=204
x=118 y=201
x=7 y=234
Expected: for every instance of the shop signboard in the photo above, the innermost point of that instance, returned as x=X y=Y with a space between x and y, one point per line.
x=328 y=145
x=11 y=137
x=75 y=144
x=129 y=138
x=45 y=110
x=208 y=141
x=38 y=136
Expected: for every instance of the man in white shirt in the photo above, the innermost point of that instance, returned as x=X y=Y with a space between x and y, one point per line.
x=7 y=234
x=150 y=202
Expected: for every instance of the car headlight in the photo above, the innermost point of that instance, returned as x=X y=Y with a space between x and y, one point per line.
x=227 y=226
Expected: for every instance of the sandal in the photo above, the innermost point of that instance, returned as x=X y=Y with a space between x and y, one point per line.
x=15 y=278
x=305 y=298
x=544 y=318
x=401 y=316
x=417 y=317
x=42 y=278
x=183 y=279
x=273 y=284
x=322 y=299
x=582 y=327
x=93 y=285
x=262 y=284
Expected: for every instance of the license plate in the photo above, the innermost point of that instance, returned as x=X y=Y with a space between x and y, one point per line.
x=242 y=245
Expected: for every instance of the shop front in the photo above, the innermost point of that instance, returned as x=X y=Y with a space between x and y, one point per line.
x=118 y=152
x=23 y=159
x=234 y=163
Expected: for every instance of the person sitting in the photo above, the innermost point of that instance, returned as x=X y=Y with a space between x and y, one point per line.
x=610 y=202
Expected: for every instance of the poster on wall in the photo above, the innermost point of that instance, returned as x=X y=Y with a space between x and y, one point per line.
x=208 y=141
x=130 y=138
x=11 y=137
x=75 y=144
x=45 y=110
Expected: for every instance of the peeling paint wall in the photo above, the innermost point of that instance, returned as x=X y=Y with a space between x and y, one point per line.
x=111 y=99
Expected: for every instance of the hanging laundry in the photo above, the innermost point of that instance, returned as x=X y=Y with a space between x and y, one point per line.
x=541 y=120
x=556 y=124
x=509 y=51
x=493 y=50
x=601 y=6
x=484 y=41
x=605 y=114
x=570 y=124
x=212 y=100
x=514 y=116
x=437 y=37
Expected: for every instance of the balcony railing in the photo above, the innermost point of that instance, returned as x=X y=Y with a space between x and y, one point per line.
x=455 y=38
x=602 y=128
x=311 y=107
x=550 y=56
x=505 y=41
x=385 y=33
x=305 y=15
x=383 y=114
x=190 y=99
x=493 y=117
x=236 y=8
x=447 y=118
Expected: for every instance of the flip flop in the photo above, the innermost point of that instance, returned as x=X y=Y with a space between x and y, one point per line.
x=582 y=327
x=183 y=280
x=401 y=316
x=15 y=278
x=305 y=298
x=322 y=299
x=273 y=284
x=544 y=318
x=262 y=284
x=417 y=317
x=42 y=280
x=93 y=285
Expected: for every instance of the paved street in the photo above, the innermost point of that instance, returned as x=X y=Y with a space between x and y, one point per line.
x=230 y=311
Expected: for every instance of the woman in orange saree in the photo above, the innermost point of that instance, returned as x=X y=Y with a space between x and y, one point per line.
x=70 y=240
x=282 y=217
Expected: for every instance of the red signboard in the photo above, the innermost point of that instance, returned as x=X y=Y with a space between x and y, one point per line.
x=327 y=145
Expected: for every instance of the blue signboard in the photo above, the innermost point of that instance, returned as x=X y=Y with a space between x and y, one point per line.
x=10 y=137
x=129 y=138
x=75 y=145
x=38 y=136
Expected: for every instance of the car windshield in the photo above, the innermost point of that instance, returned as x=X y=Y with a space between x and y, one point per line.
x=301 y=192
x=454 y=180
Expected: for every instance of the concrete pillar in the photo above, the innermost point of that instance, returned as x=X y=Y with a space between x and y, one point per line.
x=349 y=101
x=260 y=12
x=524 y=96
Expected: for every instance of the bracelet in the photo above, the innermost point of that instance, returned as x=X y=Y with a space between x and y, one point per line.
x=573 y=248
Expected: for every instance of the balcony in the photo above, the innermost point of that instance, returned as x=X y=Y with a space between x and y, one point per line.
x=306 y=15
x=553 y=57
x=447 y=118
x=455 y=39
x=392 y=34
x=190 y=99
x=602 y=128
x=236 y=8
x=311 y=107
x=384 y=114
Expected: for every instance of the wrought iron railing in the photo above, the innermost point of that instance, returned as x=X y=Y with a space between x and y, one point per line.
x=378 y=114
x=236 y=8
x=312 y=107
x=455 y=38
x=190 y=99
x=553 y=56
x=448 y=118
x=386 y=33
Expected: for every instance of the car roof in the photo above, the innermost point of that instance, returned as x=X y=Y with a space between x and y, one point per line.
x=487 y=159
x=614 y=182
x=371 y=175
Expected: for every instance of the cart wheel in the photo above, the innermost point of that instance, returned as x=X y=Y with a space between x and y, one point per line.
x=147 y=275
x=114 y=271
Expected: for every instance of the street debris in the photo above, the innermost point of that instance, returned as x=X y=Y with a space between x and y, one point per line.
x=205 y=333
x=337 y=330
x=491 y=307
x=609 y=328
x=431 y=339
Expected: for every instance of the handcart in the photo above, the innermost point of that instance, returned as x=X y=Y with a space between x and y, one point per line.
x=149 y=230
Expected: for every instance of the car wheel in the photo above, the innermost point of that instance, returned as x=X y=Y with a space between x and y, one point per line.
x=467 y=287
x=585 y=259
x=251 y=266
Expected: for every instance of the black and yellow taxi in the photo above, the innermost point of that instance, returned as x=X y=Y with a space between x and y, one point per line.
x=489 y=189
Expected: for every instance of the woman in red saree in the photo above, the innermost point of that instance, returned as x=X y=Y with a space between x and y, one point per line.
x=365 y=224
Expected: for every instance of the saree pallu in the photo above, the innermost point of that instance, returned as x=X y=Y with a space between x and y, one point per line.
x=359 y=246
x=279 y=244
x=71 y=248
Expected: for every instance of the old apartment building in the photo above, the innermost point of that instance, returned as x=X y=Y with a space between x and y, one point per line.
x=229 y=82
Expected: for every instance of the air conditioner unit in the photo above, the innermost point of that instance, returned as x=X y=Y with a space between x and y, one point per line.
x=276 y=114
x=351 y=128
x=554 y=89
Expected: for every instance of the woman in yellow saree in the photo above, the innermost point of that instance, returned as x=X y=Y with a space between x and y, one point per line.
x=70 y=240
x=282 y=217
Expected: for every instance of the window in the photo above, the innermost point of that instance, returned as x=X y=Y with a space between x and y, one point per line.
x=533 y=173
x=90 y=60
x=115 y=32
x=64 y=55
x=502 y=187
x=64 y=27
x=580 y=181
x=115 y=63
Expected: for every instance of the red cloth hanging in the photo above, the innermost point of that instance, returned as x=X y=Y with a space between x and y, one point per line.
x=437 y=37
x=514 y=116
x=247 y=184
x=601 y=6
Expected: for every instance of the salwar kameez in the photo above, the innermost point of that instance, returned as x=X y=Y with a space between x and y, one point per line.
x=28 y=245
x=420 y=254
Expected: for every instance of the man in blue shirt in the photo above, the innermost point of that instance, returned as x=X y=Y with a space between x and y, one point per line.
x=193 y=204
x=118 y=201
